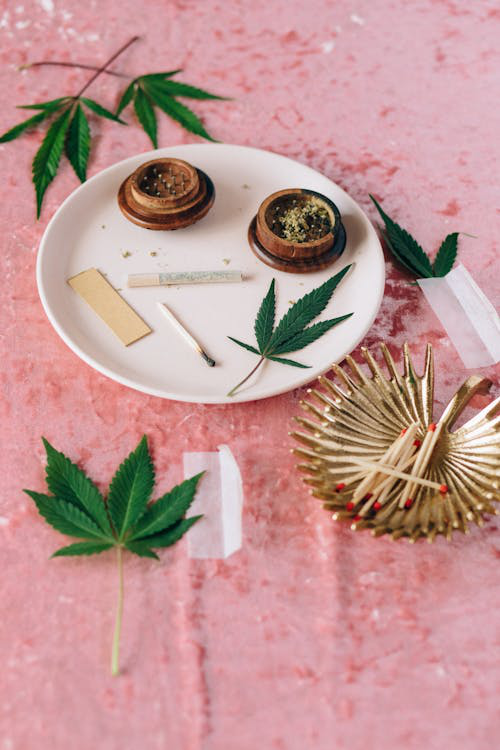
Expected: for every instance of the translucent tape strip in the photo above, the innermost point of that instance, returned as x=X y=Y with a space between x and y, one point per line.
x=467 y=315
x=220 y=499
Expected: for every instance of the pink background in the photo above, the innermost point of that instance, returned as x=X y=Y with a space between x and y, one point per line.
x=311 y=636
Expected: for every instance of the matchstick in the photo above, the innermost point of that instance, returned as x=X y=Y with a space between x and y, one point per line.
x=185 y=334
x=407 y=457
x=383 y=489
x=390 y=471
x=424 y=456
x=392 y=453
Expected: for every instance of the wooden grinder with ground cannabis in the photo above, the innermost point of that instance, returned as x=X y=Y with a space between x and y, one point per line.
x=166 y=194
x=297 y=230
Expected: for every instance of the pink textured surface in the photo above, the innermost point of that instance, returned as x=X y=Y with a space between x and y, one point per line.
x=311 y=636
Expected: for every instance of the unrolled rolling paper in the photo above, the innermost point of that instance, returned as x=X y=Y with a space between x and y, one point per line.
x=467 y=315
x=219 y=498
x=109 y=306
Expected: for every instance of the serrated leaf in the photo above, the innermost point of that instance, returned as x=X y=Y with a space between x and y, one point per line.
x=131 y=489
x=166 y=511
x=290 y=362
x=48 y=156
x=78 y=143
x=308 y=335
x=159 y=76
x=185 y=117
x=176 y=88
x=83 y=548
x=403 y=261
x=446 y=255
x=177 y=111
x=129 y=493
x=65 y=517
x=171 y=535
x=245 y=346
x=264 y=322
x=305 y=310
x=290 y=335
x=141 y=549
x=53 y=104
x=146 y=115
x=69 y=483
x=404 y=245
x=100 y=110
x=127 y=97
x=16 y=131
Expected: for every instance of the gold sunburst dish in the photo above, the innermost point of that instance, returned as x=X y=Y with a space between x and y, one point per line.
x=375 y=455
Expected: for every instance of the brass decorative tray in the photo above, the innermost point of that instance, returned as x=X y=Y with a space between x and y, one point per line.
x=376 y=457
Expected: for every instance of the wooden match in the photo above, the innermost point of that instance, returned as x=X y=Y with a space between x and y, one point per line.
x=185 y=334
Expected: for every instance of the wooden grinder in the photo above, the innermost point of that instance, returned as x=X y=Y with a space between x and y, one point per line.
x=166 y=194
x=292 y=255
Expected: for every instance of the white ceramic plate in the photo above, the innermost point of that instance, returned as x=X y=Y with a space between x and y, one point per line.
x=89 y=230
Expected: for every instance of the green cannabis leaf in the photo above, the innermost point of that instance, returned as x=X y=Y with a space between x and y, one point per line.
x=125 y=521
x=78 y=143
x=158 y=90
x=446 y=255
x=293 y=332
x=69 y=130
x=411 y=255
x=48 y=156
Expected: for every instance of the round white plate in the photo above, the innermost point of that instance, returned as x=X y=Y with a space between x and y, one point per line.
x=89 y=231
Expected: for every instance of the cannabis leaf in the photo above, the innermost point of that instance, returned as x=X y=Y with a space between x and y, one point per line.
x=158 y=90
x=264 y=322
x=125 y=521
x=52 y=104
x=293 y=332
x=146 y=115
x=48 y=156
x=69 y=130
x=411 y=255
x=78 y=143
x=130 y=489
x=98 y=109
x=31 y=122
x=446 y=255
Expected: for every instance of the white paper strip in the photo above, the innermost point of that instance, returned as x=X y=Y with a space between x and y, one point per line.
x=220 y=499
x=467 y=315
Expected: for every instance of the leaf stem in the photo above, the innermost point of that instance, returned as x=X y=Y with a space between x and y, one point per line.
x=63 y=64
x=233 y=390
x=102 y=69
x=115 y=654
